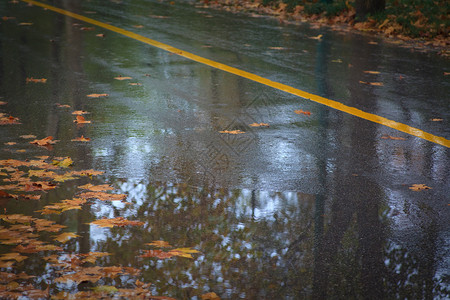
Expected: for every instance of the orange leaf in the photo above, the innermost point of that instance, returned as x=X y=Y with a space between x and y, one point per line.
x=371 y=72
x=8 y=120
x=119 y=221
x=161 y=244
x=97 y=95
x=259 y=125
x=122 y=78
x=300 y=111
x=81 y=139
x=156 y=253
x=96 y=188
x=419 y=187
x=41 y=80
x=79 y=112
x=3 y=103
x=103 y=196
x=388 y=137
x=44 y=142
x=238 y=131
x=437 y=120
x=65 y=237
x=81 y=120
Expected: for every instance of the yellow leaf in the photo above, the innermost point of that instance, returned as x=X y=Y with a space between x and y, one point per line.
x=371 y=72
x=65 y=237
x=419 y=187
x=238 y=131
x=97 y=95
x=64 y=163
x=316 y=37
x=259 y=125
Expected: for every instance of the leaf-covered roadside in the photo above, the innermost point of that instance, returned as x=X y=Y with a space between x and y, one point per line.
x=424 y=22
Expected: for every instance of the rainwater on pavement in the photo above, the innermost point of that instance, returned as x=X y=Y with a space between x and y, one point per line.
x=319 y=204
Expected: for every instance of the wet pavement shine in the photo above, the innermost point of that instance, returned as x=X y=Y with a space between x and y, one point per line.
x=238 y=188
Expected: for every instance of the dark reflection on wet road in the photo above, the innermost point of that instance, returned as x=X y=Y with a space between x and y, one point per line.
x=312 y=206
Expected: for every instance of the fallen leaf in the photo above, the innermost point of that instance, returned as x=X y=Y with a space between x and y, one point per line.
x=210 y=296
x=372 y=43
x=316 y=37
x=277 y=48
x=13 y=256
x=79 y=112
x=161 y=244
x=10 y=143
x=237 y=131
x=36 y=80
x=419 y=187
x=65 y=163
x=25 y=24
x=65 y=237
x=301 y=111
x=371 y=72
x=372 y=83
x=389 y=137
x=87 y=28
x=138 y=26
x=62 y=105
x=119 y=221
x=437 y=120
x=102 y=35
x=337 y=60
x=91 y=257
x=259 y=125
x=135 y=83
x=157 y=253
x=28 y=136
x=44 y=142
x=81 y=139
x=97 y=95
x=3 y=103
x=103 y=196
x=96 y=188
x=8 y=120
x=122 y=78
x=81 y=120
x=108 y=289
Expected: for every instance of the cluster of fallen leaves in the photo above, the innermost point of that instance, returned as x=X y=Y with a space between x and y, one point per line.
x=23 y=236
x=345 y=20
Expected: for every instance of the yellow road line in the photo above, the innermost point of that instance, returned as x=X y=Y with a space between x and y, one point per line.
x=288 y=89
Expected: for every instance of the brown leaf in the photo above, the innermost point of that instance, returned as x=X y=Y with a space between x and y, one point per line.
x=119 y=221
x=81 y=139
x=389 y=137
x=237 y=131
x=210 y=296
x=65 y=237
x=419 y=187
x=157 y=253
x=259 y=125
x=8 y=120
x=45 y=141
x=97 y=95
x=96 y=188
x=161 y=244
x=103 y=196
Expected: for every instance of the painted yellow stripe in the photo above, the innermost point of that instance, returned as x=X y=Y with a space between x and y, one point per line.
x=288 y=89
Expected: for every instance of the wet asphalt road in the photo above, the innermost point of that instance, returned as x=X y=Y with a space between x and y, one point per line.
x=165 y=125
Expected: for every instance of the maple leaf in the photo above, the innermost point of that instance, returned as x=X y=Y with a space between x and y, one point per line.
x=36 y=247
x=103 y=196
x=91 y=257
x=119 y=221
x=96 y=188
x=17 y=218
x=371 y=72
x=161 y=244
x=419 y=187
x=81 y=139
x=237 y=131
x=89 y=173
x=97 y=95
x=65 y=237
x=81 y=120
x=36 y=80
x=44 y=142
x=259 y=125
x=39 y=186
x=6 y=264
x=301 y=111
x=122 y=78
x=46 y=225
